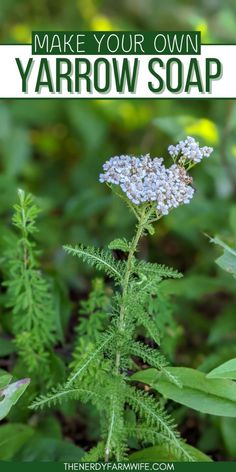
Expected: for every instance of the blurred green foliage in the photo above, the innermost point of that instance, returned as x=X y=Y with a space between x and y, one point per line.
x=55 y=149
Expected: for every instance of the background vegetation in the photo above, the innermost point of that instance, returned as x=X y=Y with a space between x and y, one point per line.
x=55 y=150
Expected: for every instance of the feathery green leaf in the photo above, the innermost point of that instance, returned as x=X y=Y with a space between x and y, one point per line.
x=101 y=259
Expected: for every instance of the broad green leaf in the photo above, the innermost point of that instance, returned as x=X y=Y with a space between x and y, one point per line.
x=12 y=437
x=5 y=378
x=212 y=396
x=224 y=245
x=224 y=371
x=11 y=394
x=228 y=260
x=163 y=454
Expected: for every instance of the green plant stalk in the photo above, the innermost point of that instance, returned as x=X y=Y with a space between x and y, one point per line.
x=140 y=227
x=143 y=219
x=109 y=435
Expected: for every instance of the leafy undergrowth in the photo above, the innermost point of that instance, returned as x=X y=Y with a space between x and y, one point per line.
x=101 y=384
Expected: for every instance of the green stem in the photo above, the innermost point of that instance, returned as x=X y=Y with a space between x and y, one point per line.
x=121 y=326
x=109 y=438
x=143 y=219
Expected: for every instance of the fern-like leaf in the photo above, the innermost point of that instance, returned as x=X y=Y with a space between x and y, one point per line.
x=154 y=415
x=149 y=268
x=148 y=285
x=61 y=394
x=119 y=244
x=149 y=355
x=146 y=434
x=154 y=358
x=145 y=320
x=114 y=420
x=101 y=259
x=136 y=302
x=29 y=293
x=82 y=366
x=95 y=454
x=113 y=427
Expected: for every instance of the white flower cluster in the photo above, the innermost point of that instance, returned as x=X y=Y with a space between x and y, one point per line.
x=148 y=180
x=189 y=149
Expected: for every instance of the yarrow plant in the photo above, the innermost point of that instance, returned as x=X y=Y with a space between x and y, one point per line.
x=101 y=372
x=29 y=293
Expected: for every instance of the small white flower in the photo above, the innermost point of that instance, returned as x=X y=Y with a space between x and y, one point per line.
x=190 y=150
x=146 y=180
